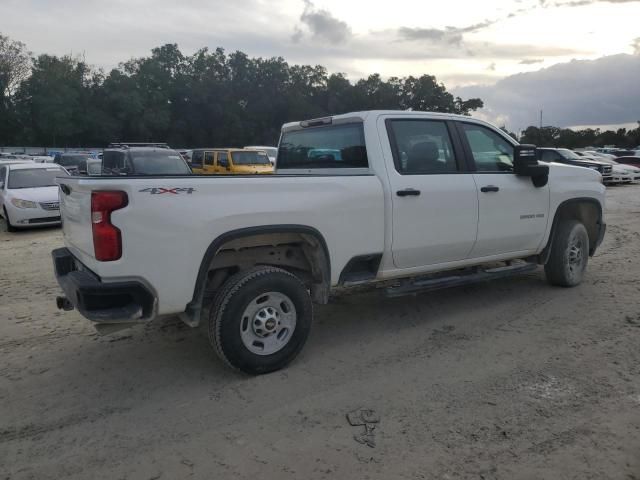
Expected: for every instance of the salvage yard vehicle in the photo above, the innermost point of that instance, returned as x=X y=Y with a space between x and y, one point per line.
x=566 y=156
x=29 y=194
x=72 y=162
x=632 y=161
x=272 y=152
x=416 y=201
x=223 y=161
x=142 y=159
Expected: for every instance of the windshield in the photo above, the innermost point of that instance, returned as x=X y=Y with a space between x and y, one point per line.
x=159 y=162
x=71 y=160
x=250 y=158
x=34 y=177
x=568 y=154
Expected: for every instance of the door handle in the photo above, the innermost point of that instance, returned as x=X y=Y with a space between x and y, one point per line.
x=408 y=192
x=489 y=188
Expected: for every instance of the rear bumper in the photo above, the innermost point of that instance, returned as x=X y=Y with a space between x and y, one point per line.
x=101 y=302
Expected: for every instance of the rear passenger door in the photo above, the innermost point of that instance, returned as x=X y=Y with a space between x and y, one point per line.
x=512 y=211
x=434 y=200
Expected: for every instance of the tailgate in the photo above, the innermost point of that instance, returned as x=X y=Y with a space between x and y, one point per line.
x=75 y=211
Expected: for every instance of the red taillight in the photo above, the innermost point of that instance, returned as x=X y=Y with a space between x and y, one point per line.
x=107 y=243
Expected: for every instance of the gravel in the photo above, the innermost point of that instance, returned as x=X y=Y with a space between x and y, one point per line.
x=513 y=379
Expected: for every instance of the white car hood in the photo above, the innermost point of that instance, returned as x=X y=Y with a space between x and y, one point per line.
x=619 y=169
x=39 y=194
x=628 y=168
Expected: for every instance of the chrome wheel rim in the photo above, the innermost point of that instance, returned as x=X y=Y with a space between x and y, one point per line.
x=575 y=256
x=268 y=323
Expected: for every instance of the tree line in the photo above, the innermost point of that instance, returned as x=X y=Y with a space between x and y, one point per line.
x=210 y=98
x=588 y=137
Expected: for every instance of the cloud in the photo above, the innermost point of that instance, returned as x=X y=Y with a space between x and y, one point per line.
x=447 y=35
x=322 y=25
x=580 y=92
x=530 y=61
x=492 y=67
x=636 y=46
x=581 y=3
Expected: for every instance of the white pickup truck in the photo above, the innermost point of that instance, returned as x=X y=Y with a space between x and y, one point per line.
x=402 y=201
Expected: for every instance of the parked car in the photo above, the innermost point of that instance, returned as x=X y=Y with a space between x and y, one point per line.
x=566 y=156
x=224 y=161
x=42 y=159
x=72 y=161
x=629 y=160
x=620 y=172
x=272 y=152
x=599 y=155
x=90 y=166
x=254 y=252
x=143 y=159
x=29 y=194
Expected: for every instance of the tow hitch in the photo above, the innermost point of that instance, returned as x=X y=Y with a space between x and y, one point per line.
x=63 y=303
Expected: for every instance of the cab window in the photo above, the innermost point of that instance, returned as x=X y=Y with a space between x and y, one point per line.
x=208 y=158
x=421 y=147
x=491 y=152
x=223 y=159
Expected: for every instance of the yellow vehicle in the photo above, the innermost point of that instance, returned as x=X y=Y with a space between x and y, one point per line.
x=239 y=161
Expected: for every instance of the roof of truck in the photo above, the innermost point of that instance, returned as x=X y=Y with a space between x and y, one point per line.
x=363 y=115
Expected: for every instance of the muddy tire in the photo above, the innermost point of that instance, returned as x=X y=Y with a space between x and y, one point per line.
x=7 y=223
x=260 y=320
x=569 y=255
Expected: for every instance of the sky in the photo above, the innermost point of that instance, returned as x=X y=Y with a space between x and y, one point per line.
x=464 y=43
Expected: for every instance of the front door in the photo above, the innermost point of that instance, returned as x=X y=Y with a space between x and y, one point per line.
x=434 y=201
x=513 y=213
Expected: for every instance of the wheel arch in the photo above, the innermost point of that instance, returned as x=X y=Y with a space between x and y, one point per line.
x=320 y=259
x=586 y=209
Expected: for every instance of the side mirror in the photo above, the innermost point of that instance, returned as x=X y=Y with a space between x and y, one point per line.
x=525 y=164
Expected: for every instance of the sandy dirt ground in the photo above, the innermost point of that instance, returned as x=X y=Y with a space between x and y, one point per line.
x=509 y=380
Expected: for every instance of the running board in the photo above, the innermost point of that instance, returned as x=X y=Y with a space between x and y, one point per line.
x=426 y=284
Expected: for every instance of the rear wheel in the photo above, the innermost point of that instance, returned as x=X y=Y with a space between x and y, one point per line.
x=260 y=319
x=7 y=223
x=569 y=255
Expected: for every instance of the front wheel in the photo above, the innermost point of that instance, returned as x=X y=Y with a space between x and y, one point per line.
x=569 y=255
x=7 y=223
x=260 y=319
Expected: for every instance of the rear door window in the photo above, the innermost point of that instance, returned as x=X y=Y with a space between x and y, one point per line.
x=421 y=147
x=335 y=146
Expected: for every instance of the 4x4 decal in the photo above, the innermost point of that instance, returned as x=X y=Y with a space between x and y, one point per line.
x=174 y=191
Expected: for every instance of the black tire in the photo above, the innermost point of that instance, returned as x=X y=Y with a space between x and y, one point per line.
x=569 y=255
x=228 y=314
x=7 y=223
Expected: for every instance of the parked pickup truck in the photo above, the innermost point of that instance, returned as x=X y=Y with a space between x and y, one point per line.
x=401 y=201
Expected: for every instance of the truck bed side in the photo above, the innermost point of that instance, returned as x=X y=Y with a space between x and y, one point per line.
x=170 y=222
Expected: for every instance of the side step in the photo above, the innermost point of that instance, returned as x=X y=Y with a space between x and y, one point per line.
x=429 y=283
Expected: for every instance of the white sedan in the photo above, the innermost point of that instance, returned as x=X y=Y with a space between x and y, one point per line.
x=29 y=194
